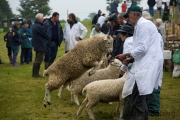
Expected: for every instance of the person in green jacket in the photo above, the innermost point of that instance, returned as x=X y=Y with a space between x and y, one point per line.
x=26 y=43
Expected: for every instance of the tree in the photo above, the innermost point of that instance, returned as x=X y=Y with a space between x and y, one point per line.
x=5 y=10
x=91 y=15
x=78 y=19
x=29 y=8
x=135 y=2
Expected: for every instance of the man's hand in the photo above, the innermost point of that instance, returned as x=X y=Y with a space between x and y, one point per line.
x=121 y=72
x=126 y=61
x=121 y=57
x=77 y=38
x=109 y=57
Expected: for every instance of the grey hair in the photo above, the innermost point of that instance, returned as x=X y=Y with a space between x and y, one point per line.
x=159 y=21
x=39 y=16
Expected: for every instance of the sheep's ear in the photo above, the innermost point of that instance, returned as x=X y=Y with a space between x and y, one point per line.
x=105 y=38
x=108 y=37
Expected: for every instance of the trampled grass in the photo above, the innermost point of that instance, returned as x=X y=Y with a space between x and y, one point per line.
x=21 y=96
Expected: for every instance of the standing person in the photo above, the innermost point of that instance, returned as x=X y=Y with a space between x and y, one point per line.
x=95 y=30
x=165 y=16
x=95 y=18
x=8 y=39
x=55 y=37
x=159 y=6
x=114 y=6
x=39 y=37
x=161 y=27
x=101 y=19
x=26 y=43
x=30 y=28
x=124 y=7
x=171 y=6
x=74 y=32
x=147 y=61
x=16 y=41
x=151 y=4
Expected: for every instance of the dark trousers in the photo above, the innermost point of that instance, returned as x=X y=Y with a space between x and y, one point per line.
x=138 y=106
x=39 y=57
x=25 y=55
x=51 y=52
x=9 y=51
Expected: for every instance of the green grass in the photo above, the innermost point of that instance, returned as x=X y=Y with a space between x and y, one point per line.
x=21 y=96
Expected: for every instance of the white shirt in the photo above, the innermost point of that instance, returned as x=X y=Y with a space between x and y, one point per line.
x=148 y=55
x=159 y=3
x=77 y=30
x=101 y=20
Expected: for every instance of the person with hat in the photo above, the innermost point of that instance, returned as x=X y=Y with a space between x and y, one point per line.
x=147 y=58
x=95 y=30
x=26 y=43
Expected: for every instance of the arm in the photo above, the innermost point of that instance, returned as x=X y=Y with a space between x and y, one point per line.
x=5 y=37
x=65 y=31
x=83 y=29
x=92 y=33
x=29 y=33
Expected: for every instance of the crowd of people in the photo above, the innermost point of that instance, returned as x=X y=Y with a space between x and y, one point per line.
x=138 y=43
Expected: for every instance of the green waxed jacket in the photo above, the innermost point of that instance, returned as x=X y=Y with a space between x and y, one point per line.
x=26 y=38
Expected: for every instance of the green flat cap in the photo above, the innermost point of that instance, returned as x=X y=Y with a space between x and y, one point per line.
x=133 y=8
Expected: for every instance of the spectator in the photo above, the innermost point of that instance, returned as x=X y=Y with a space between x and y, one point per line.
x=168 y=5
x=30 y=27
x=95 y=30
x=165 y=16
x=161 y=27
x=147 y=60
x=171 y=6
x=114 y=6
x=74 y=31
x=124 y=7
x=95 y=18
x=133 y=2
x=16 y=41
x=101 y=19
x=105 y=27
x=39 y=37
x=151 y=4
x=26 y=43
x=55 y=37
x=159 y=5
x=8 y=39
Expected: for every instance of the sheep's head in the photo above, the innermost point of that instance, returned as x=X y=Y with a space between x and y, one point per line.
x=116 y=62
x=108 y=43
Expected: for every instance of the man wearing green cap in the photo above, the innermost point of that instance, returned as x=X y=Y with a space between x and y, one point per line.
x=147 y=57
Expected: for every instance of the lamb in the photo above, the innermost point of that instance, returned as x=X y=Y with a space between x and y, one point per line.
x=102 y=91
x=102 y=64
x=111 y=72
x=85 y=55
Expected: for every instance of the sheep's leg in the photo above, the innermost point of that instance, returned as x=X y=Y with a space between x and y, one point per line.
x=121 y=106
x=94 y=68
x=72 y=97
x=117 y=108
x=76 y=99
x=90 y=111
x=82 y=107
x=47 y=97
x=60 y=91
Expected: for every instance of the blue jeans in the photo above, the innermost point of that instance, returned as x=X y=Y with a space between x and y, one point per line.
x=15 y=50
x=151 y=11
x=51 y=52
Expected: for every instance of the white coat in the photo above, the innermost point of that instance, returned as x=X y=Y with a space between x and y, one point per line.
x=148 y=54
x=77 y=30
x=130 y=78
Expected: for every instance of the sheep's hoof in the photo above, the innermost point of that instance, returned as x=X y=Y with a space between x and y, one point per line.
x=49 y=103
x=45 y=105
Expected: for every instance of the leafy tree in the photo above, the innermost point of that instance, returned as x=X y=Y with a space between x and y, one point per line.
x=91 y=15
x=63 y=21
x=29 y=8
x=5 y=10
x=135 y=2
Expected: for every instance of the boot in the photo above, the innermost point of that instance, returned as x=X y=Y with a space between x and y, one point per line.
x=46 y=65
x=10 y=59
x=35 y=72
x=14 y=61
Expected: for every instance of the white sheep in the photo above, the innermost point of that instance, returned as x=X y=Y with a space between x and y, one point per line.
x=85 y=55
x=110 y=72
x=109 y=90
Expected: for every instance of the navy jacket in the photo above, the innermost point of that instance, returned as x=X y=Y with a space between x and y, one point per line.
x=16 y=40
x=95 y=18
x=151 y=3
x=39 y=37
x=114 y=6
x=48 y=27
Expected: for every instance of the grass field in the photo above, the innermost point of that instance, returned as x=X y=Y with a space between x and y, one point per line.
x=21 y=96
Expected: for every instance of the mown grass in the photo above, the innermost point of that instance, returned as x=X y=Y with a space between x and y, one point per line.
x=21 y=96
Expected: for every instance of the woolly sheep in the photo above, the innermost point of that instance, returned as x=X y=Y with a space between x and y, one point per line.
x=102 y=64
x=109 y=90
x=85 y=55
x=111 y=72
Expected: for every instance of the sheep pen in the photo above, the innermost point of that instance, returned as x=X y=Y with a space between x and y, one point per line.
x=85 y=55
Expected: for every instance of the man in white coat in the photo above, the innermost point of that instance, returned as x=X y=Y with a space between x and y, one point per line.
x=147 y=56
x=74 y=31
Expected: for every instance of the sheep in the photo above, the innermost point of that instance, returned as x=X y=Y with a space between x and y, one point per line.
x=111 y=72
x=85 y=55
x=102 y=64
x=109 y=90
